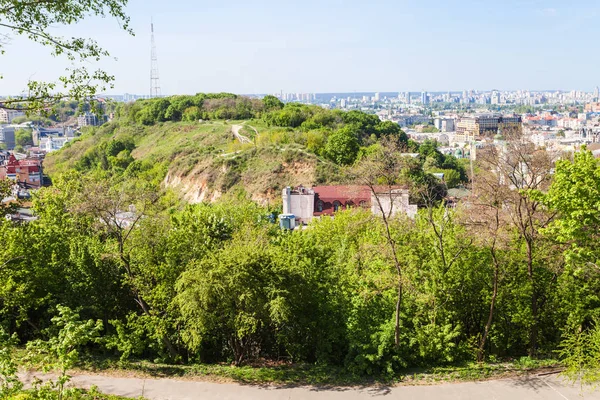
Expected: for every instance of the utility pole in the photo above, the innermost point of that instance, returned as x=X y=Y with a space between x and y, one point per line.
x=154 y=82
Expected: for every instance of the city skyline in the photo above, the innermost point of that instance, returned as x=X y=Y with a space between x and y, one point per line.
x=335 y=47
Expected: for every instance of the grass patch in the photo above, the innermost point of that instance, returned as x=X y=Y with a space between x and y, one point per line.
x=472 y=371
x=72 y=394
x=318 y=375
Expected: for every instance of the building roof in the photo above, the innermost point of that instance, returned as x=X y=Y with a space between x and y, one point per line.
x=343 y=194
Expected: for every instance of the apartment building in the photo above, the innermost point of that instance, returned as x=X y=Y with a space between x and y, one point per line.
x=7 y=116
x=487 y=125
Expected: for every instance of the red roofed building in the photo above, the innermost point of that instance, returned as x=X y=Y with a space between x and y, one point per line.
x=547 y=120
x=27 y=172
x=306 y=204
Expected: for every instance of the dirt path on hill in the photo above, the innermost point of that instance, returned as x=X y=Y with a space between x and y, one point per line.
x=235 y=129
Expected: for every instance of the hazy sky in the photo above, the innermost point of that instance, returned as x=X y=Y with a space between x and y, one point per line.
x=262 y=46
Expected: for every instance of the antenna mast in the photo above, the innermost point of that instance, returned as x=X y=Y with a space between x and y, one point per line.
x=154 y=82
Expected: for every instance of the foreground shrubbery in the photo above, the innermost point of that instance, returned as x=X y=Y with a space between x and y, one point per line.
x=222 y=283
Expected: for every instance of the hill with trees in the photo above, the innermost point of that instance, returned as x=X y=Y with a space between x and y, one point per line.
x=189 y=142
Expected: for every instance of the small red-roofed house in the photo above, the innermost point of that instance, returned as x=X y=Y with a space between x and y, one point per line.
x=305 y=204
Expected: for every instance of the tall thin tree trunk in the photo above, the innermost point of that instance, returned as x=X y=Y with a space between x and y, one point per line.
x=533 y=332
x=392 y=245
x=397 y=320
x=488 y=325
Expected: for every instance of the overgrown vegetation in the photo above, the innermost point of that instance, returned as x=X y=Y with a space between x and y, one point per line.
x=290 y=145
x=507 y=274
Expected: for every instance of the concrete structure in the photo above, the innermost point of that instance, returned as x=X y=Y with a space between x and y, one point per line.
x=537 y=120
x=392 y=202
x=299 y=202
x=87 y=119
x=49 y=144
x=592 y=107
x=7 y=116
x=444 y=124
x=7 y=136
x=424 y=97
x=487 y=125
x=306 y=204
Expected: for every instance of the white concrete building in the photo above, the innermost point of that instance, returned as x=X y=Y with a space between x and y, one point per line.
x=7 y=116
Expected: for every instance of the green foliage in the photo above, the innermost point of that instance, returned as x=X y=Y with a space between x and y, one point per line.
x=9 y=381
x=23 y=137
x=271 y=102
x=35 y=119
x=430 y=129
x=35 y=21
x=342 y=146
x=60 y=352
x=580 y=353
x=6 y=207
x=220 y=283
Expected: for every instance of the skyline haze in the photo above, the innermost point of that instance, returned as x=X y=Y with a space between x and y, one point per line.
x=335 y=47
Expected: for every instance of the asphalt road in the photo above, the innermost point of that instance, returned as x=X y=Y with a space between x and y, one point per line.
x=528 y=387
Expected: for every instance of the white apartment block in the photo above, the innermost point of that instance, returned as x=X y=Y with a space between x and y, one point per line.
x=7 y=116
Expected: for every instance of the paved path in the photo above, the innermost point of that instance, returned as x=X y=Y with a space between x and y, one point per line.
x=527 y=387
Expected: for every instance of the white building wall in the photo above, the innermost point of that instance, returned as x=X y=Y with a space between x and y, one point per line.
x=397 y=202
x=301 y=205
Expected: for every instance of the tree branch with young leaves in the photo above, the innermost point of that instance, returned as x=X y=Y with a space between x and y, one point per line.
x=35 y=20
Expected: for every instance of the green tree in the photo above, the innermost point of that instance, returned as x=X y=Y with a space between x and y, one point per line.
x=6 y=207
x=192 y=114
x=61 y=351
x=9 y=381
x=342 y=146
x=575 y=196
x=23 y=138
x=580 y=353
x=272 y=103
x=523 y=170
x=35 y=20
x=232 y=294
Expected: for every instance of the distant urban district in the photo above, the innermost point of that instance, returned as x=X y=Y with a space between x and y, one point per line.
x=369 y=233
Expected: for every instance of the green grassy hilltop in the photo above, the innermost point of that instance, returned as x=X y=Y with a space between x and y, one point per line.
x=209 y=146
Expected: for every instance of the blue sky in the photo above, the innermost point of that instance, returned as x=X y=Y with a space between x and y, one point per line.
x=264 y=46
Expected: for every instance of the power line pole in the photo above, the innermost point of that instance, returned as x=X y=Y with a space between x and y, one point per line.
x=154 y=82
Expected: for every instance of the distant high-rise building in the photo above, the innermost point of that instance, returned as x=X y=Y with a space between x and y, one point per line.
x=407 y=97
x=377 y=96
x=343 y=103
x=424 y=97
x=495 y=97
x=596 y=93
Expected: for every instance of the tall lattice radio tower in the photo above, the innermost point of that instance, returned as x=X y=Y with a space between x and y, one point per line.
x=154 y=80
